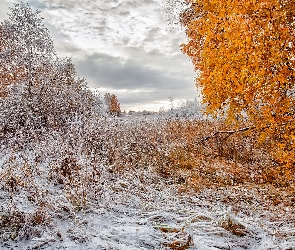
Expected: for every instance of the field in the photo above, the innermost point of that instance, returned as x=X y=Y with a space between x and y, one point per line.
x=154 y=182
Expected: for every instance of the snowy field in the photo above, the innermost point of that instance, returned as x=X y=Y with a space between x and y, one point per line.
x=59 y=193
x=137 y=210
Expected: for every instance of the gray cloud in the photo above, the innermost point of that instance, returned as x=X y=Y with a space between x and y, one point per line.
x=116 y=73
x=123 y=47
x=134 y=82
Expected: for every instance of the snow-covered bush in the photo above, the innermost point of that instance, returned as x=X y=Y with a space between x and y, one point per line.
x=49 y=178
x=45 y=90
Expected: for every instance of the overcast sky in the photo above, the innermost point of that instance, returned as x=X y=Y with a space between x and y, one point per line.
x=125 y=47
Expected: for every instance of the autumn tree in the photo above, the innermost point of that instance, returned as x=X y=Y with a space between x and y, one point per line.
x=112 y=104
x=115 y=105
x=244 y=54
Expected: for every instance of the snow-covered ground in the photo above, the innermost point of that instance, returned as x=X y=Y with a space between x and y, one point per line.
x=138 y=210
x=57 y=193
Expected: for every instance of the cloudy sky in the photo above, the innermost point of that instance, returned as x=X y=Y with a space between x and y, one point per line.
x=125 y=47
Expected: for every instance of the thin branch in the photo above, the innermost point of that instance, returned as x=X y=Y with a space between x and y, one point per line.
x=228 y=132
x=231 y=132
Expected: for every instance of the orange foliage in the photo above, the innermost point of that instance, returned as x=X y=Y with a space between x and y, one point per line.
x=244 y=51
x=114 y=105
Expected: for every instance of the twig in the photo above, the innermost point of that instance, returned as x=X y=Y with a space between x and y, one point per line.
x=229 y=132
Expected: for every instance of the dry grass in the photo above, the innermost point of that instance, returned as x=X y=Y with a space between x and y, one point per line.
x=222 y=159
x=173 y=149
x=176 y=151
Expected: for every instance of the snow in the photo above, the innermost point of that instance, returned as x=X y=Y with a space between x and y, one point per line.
x=134 y=208
x=128 y=214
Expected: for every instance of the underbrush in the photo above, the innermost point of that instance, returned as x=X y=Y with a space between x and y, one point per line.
x=224 y=158
x=55 y=173
x=44 y=176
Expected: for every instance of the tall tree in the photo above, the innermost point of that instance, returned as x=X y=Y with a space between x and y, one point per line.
x=115 y=105
x=40 y=89
x=26 y=45
x=244 y=52
x=112 y=104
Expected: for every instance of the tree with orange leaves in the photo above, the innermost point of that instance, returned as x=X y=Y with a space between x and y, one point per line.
x=244 y=53
x=115 y=106
x=112 y=104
